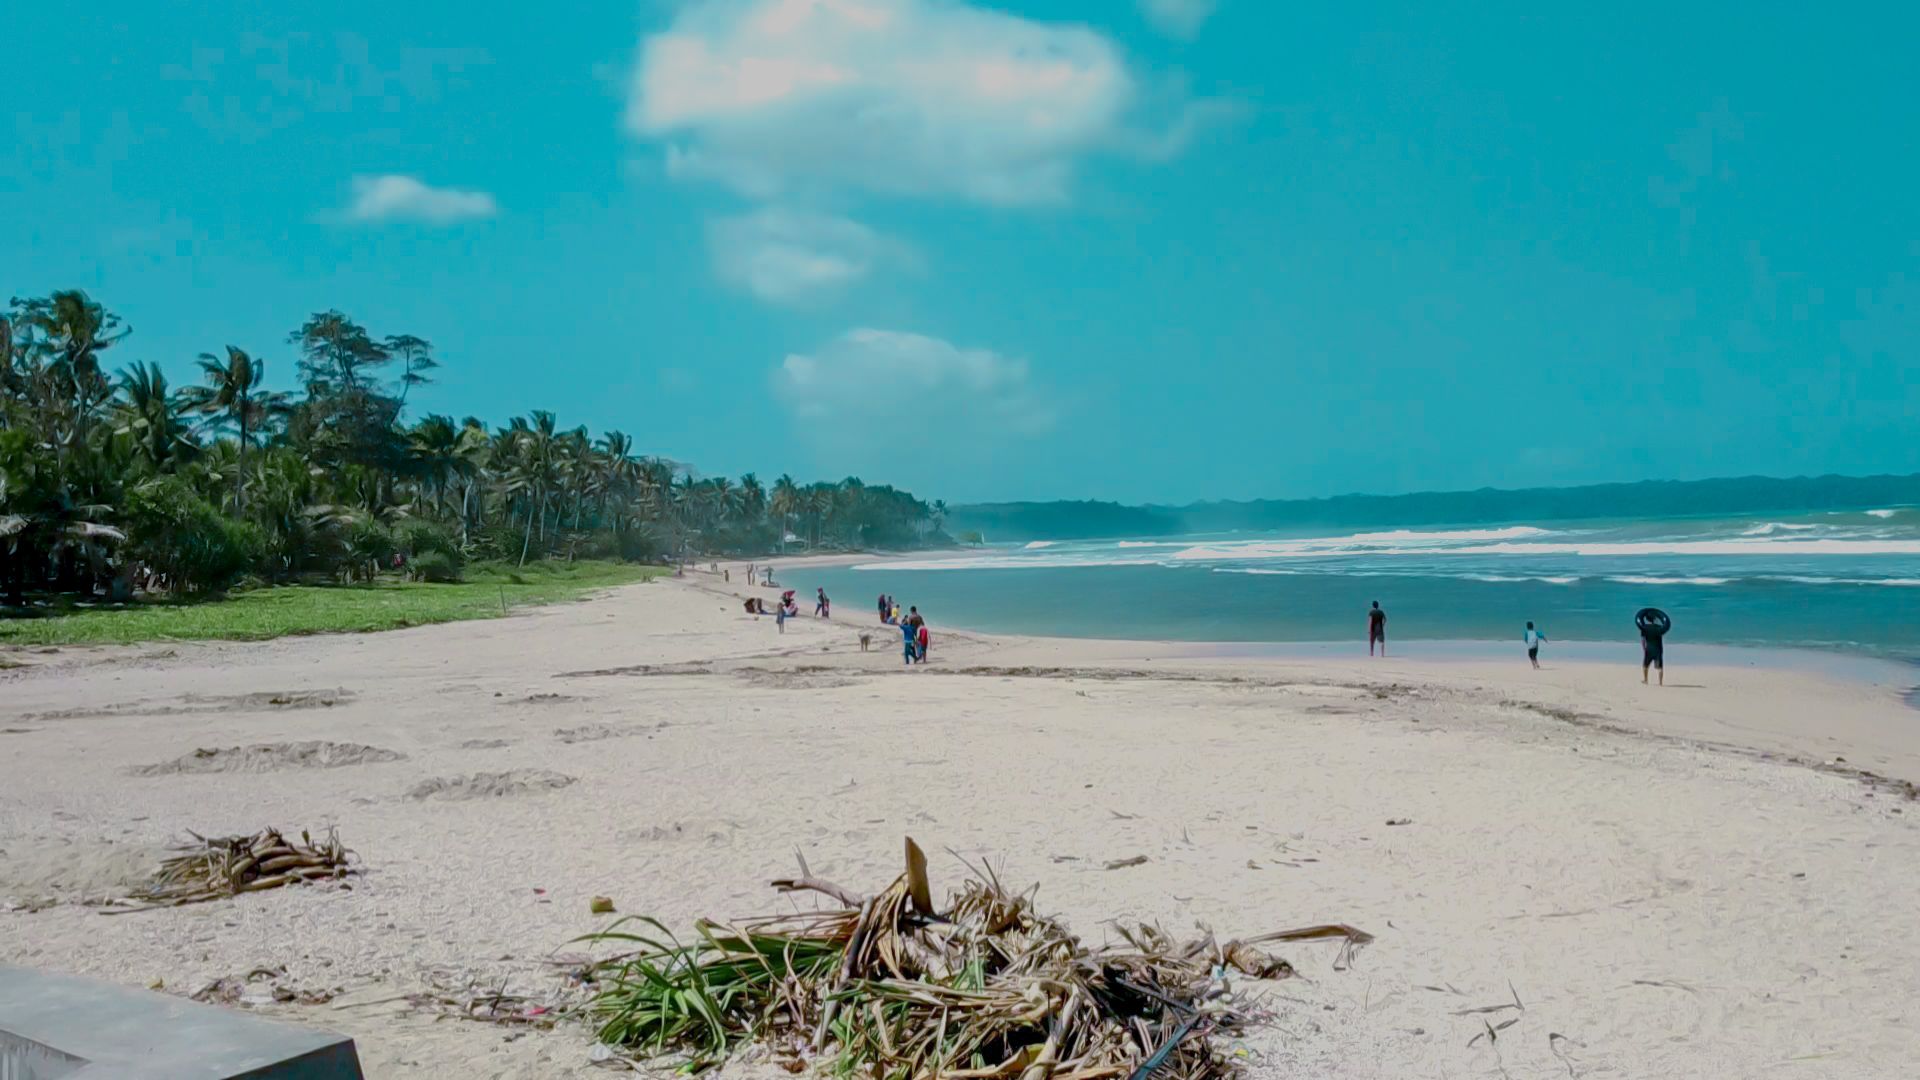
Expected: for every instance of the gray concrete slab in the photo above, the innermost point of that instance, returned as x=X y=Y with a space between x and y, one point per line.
x=61 y=1027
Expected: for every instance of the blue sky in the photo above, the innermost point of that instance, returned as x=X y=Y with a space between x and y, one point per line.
x=1157 y=250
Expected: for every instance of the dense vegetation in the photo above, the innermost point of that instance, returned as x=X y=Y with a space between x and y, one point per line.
x=111 y=480
x=1651 y=498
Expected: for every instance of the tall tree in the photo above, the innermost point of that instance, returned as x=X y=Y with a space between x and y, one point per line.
x=416 y=360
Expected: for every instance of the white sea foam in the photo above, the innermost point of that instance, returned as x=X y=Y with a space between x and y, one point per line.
x=1256 y=570
x=1882 y=514
x=1631 y=579
x=1772 y=527
x=1036 y=545
x=1145 y=544
x=1554 y=580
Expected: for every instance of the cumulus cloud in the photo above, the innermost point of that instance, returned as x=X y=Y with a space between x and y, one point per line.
x=905 y=97
x=1178 y=18
x=978 y=398
x=795 y=257
x=406 y=198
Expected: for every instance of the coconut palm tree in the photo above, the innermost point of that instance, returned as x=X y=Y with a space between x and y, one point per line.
x=148 y=417
x=232 y=397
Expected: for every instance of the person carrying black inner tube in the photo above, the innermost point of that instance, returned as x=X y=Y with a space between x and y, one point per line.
x=1653 y=625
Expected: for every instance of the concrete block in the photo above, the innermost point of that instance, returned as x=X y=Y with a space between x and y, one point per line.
x=61 y=1027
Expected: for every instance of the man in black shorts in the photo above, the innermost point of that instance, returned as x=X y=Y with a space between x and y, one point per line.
x=1376 y=629
x=1653 y=653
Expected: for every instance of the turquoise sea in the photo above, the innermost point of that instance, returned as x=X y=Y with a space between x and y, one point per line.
x=1839 y=580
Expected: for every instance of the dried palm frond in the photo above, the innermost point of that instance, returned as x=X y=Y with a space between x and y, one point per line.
x=213 y=868
x=890 y=988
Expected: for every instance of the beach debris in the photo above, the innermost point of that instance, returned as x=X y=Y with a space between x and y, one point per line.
x=220 y=867
x=1399 y=821
x=268 y=757
x=600 y=905
x=467 y=997
x=261 y=986
x=983 y=987
x=1122 y=864
x=490 y=785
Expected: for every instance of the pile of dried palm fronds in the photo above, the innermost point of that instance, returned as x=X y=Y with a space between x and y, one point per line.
x=895 y=989
x=210 y=868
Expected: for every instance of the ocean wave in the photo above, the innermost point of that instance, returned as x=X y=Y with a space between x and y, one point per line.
x=1256 y=570
x=1882 y=514
x=1802 y=579
x=1146 y=544
x=1036 y=545
x=1397 y=541
x=1731 y=546
x=1772 y=527
x=1321 y=549
x=1060 y=561
x=1634 y=579
x=1568 y=579
x=1444 y=536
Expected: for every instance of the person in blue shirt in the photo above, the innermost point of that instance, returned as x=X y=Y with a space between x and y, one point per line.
x=1534 y=640
x=909 y=636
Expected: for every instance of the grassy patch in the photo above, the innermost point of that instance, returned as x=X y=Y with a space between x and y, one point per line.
x=323 y=609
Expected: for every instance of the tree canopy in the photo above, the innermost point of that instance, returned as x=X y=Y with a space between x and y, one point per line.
x=110 y=480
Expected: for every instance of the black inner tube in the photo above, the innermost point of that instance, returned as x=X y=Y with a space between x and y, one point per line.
x=1652 y=621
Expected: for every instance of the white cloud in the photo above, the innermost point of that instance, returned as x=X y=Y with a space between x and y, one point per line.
x=406 y=198
x=793 y=257
x=1178 y=18
x=848 y=397
x=907 y=97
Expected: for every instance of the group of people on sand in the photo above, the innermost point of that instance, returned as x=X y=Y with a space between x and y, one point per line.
x=913 y=628
x=1652 y=623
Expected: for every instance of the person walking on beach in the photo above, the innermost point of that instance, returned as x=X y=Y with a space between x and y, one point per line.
x=883 y=607
x=1534 y=640
x=821 y=605
x=910 y=645
x=1376 y=629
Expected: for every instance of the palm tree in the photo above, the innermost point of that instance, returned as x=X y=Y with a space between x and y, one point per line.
x=785 y=503
x=433 y=445
x=71 y=330
x=148 y=416
x=233 y=396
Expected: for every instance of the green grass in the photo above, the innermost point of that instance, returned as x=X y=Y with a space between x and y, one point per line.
x=323 y=609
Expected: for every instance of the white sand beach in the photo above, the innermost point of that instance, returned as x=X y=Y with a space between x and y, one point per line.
x=1688 y=881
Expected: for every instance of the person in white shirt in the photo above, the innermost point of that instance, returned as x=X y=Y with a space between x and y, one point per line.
x=1534 y=640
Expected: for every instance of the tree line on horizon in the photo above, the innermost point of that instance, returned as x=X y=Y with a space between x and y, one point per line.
x=106 y=476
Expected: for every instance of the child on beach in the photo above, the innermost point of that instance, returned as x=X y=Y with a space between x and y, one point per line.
x=910 y=646
x=1534 y=639
x=822 y=607
x=1376 y=629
